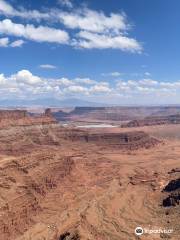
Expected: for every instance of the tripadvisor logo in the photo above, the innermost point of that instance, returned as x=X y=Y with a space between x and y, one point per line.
x=139 y=231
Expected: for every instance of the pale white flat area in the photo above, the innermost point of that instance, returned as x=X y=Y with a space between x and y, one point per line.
x=96 y=126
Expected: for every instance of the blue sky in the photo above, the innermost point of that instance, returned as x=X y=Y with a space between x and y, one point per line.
x=114 y=51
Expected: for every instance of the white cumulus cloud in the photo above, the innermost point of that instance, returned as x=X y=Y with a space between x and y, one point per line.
x=29 y=31
x=26 y=77
x=100 y=88
x=91 y=40
x=89 y=20
x=91 y=29
x=25 y=84
x=5 y=42
x=76 y=90
x=8 y=10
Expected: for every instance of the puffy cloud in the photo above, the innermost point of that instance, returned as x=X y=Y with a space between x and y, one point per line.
x=25 y=84
x=76 y=90
x=93 y=21
x=4 y=42
x=123 y=86
x=63 y=82
x=87 y=81
x=91 y=40
x=8 y=10
x=67 y=82
x=140 y=84
x=148 y=82
x=170 y=84
x=26 y=77
x=38 y=34
x=47 y=66
x=83 y=18
x=145 y=89
x=99 y=31
x=100 y=88
x=92 y=29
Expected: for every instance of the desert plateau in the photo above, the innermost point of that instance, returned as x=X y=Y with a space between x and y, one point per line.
x=66 y=183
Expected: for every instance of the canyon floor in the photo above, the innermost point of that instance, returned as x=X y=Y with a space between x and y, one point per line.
x=56 y=183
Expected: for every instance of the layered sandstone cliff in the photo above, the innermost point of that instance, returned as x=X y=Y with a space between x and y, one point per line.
x=10 y=118
x=13 y=114
x=128 y=140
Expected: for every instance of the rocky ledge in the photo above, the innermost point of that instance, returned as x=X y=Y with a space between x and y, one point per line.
x=126 y=140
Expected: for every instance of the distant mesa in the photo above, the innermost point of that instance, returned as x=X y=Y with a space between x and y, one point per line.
x=12 y=114
x=136 y=116
x=154 y=120
x=10 y=118
x=99 y=113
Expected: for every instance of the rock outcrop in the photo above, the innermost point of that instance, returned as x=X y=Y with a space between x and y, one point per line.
x=173 y=199
x=69 y=236
x=172 y=185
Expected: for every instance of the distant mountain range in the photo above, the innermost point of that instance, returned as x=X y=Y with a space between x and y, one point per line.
x=49 y=102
